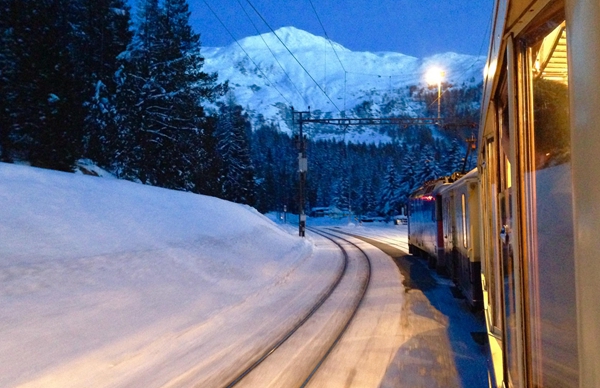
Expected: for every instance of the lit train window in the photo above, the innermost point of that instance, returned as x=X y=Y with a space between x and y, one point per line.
x=549 y=230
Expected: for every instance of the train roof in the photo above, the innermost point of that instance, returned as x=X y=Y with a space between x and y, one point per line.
x=462 y=180
x=433 y=186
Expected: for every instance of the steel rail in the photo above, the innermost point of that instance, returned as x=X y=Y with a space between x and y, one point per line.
x=363 y=292
x=396 y=244
x=287 y=335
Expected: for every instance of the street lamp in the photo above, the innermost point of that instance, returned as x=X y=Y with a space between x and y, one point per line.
x=435 y=76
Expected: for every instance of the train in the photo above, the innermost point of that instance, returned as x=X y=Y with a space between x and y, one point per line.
x=443 y=228
x=520 y=234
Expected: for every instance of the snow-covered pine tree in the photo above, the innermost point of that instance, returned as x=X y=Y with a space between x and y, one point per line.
x=409 y=179
x=341 y=194
x=160 y=91
x=429 y=168
x=367 y=199
x=237 y=171
x=454 y=157
x=106 y=32
x=389 y=200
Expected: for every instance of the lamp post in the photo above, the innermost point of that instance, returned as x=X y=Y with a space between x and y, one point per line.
x=435 y=76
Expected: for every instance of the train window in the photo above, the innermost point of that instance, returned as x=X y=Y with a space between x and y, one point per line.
x=549 y=230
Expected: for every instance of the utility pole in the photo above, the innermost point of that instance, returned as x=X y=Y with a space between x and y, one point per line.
x=302 y=168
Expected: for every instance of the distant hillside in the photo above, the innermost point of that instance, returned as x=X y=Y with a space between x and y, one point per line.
x=357 y=84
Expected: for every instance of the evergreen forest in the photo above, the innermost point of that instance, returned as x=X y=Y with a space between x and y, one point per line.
x=90 y=82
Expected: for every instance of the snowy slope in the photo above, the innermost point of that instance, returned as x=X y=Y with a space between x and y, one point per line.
x=99 y=274
x=348 y=78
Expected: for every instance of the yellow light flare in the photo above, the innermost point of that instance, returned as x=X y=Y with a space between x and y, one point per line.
x=434 y=76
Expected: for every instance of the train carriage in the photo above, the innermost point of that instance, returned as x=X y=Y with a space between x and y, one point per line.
x=531 y=208
x=425 y=222
x=540 y=188
x=461 y=234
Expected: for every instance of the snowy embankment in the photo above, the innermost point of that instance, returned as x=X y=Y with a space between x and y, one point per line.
x=105 y=282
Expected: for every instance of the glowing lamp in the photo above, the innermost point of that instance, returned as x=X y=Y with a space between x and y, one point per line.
x=434 y=76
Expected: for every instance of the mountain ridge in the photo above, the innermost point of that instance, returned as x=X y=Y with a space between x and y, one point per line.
x=339 y=82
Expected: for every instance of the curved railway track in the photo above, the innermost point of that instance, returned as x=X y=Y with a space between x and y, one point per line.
x=363 y=286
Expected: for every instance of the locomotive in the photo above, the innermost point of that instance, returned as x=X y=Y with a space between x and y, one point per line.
x=519 y=234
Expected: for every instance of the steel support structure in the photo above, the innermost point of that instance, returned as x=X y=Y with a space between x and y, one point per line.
x=304 y=117
x=302 y=168
x=400 y=121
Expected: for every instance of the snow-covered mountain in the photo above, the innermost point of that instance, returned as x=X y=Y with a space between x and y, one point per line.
x=266 y=79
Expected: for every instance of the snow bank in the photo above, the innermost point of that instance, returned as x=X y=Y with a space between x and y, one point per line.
x=93 y=267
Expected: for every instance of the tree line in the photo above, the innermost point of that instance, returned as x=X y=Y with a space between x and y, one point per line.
x=367 y=179
x=86 y=79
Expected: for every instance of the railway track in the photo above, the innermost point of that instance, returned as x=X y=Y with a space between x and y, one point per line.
x=397 y=243
x=314 y=337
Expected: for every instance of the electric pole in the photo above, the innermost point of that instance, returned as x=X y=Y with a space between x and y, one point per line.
x=302 y=168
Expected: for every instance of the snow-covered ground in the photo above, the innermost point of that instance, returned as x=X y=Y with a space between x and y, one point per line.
x=96 y=272
x=109 y=283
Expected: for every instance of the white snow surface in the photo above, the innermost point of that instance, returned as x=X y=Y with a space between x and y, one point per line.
x=109 y=283
x=101 y=279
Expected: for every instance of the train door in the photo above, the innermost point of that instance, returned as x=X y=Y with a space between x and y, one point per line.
x=451 y=220
x=513 y=341
x=490 y=230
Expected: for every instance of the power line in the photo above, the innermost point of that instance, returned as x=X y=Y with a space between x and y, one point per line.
x=245 y=52
x=334 y=51
x=272 y=53
x=326 y=36
x=293 y=56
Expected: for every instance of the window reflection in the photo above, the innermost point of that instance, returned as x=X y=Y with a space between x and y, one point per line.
x=551 y=123
x=552 y=322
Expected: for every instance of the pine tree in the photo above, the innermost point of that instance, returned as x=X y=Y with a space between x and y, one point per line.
x=409 y=179
x=429 y=168
x=454 y=158
x=341 y=196
x=389 y=198
x=160 y=88
x=44 y=86
x=207 y=165
x=367 y=199
x=106 y=29
x=8 y=73
x=237 y=171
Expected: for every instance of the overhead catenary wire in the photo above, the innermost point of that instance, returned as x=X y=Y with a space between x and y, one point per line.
x=272 y=53
x=327 y=36
x=333 y=48
x=245 y=52
x=293 y=56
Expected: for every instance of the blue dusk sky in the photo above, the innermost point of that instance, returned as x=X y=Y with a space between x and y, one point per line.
x=413 y=27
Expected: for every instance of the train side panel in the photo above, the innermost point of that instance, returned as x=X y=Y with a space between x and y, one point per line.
x=422 y=225
x=425 y=222
x=538 y=139
x=466 y=249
